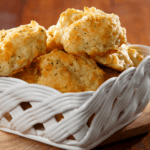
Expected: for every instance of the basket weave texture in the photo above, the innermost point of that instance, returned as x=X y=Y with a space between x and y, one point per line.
x=116 y=103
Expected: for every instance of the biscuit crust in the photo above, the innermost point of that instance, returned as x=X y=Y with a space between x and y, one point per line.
x=19 y=46
x=90 y=31
x=69 y=73
x=118 y=60
x=64 y=72
x=135 y=56
x=121 y=59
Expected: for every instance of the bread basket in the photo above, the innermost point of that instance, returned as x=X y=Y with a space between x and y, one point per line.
x=116 y=103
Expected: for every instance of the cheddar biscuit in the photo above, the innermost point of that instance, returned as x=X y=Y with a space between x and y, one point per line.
x=64 y=72
x=19 y=46
x=90 y=31
x=122 y=59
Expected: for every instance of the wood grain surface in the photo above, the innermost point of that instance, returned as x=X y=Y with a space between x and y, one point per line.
x=134 y=16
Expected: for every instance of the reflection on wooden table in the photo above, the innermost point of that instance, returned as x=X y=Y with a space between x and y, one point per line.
x=134 y=16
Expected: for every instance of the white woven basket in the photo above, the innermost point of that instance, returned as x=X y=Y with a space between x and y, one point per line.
x=116 y=103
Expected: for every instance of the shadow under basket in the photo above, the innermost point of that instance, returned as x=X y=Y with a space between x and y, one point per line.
x=75 y=121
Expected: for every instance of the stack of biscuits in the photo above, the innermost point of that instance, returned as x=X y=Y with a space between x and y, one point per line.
x=79 y=53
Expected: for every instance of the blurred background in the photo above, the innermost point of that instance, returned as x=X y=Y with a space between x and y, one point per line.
x=134 y=14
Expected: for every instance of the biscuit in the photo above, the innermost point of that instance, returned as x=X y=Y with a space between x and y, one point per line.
x=64 y=72
x=90 y=31
x=69 y=73
x=118 y=60
x=122 y=59
x=135 y=56
x=51 y=44
x=28 y=74
x=19 y=46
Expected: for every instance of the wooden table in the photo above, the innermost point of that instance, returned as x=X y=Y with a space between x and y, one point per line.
x=134 y=16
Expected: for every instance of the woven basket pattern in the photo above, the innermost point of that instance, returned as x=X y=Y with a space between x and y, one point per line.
x=116 y=103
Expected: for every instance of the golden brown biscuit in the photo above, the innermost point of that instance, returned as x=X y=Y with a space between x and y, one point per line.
x=90 y=31
x=64 y=72
x=135 y=56
x=121 y=59
x=118 y=60
x=28 y=74
x=69 y=73
x=51 y=43
x=19 y=46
